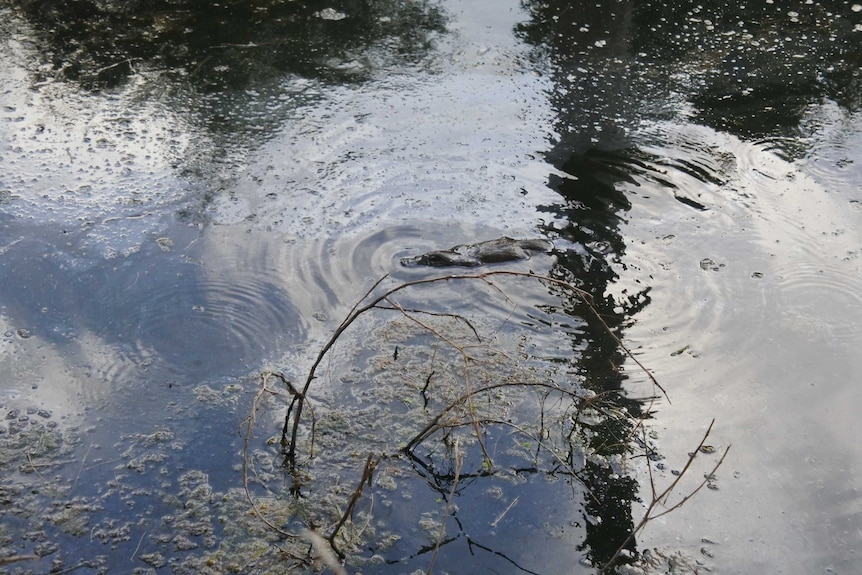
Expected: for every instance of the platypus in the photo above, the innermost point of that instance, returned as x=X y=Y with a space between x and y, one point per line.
x=489 y=252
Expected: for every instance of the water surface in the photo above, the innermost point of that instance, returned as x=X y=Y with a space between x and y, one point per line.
x=201 y=198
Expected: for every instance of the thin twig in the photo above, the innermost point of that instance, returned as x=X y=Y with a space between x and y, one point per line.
x=505 y=511
x=17 y=558
x=250 y=422
x=370 y=465
x=138 y=546
x=661 y=498
x=81 y=468
x=459 y=460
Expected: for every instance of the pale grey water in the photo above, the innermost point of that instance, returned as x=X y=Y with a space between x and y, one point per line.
x=161 y=246
x=774 y=340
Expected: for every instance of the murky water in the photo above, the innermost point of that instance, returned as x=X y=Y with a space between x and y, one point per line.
x=199 y=199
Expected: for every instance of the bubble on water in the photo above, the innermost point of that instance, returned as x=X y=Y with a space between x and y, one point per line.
x=330 y=14
x=708 y=264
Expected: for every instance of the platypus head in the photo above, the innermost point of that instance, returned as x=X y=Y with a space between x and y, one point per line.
x=434 y=259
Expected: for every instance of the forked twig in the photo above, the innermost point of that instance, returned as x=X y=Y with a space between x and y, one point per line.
x=358 y=309
x=456 y=316
x=249 y=427
x=466 y=360
x=433 y=425
x=661 y=498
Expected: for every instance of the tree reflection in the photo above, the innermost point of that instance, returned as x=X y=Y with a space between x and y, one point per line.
x=228 y=45
x=593 y=96
x=234 y=72
x=592 y=206
x=753 y=69
x=750 y=69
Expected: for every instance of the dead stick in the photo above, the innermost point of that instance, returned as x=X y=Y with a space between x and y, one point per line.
x=370 y=464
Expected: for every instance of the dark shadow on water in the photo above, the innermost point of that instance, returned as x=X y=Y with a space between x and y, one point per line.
x=594 y=208
x=228 y=45
x=753 y=70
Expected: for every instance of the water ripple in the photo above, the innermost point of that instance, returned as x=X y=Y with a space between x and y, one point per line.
x=815 y=296
x=832 y=155
x=326 y=279
x=176 y=324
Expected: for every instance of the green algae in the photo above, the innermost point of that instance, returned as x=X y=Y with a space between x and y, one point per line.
x=421 y=393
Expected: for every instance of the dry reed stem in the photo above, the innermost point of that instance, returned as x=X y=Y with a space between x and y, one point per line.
x=367 y=473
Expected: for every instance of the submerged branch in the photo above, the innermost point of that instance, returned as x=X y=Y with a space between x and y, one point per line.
x=459 y=462
x=585 y=416
x=360 y=308
x=367 y=473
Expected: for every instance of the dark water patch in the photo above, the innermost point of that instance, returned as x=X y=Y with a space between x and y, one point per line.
x=226 y=47
x=475 y=532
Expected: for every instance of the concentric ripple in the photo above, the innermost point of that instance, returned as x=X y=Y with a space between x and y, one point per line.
x=815 y=297
x=338 y=274
x=177 y=324
x=831 y=156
